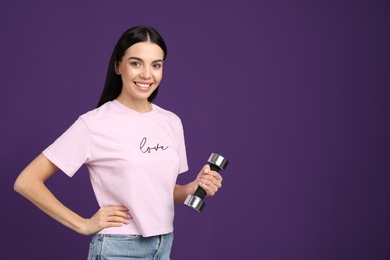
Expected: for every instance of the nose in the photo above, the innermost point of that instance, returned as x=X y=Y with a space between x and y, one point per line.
x=145 y=73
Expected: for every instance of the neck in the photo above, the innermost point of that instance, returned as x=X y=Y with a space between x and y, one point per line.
x=141 y=106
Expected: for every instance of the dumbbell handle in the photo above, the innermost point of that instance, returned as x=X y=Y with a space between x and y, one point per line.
x=200 y=192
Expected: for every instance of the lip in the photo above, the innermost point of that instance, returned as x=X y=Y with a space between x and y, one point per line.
x=143 y=85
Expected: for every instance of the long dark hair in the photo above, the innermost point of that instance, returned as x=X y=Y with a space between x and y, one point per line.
x=113 y=84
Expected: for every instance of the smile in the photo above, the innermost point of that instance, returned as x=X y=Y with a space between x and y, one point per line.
x=142 y=85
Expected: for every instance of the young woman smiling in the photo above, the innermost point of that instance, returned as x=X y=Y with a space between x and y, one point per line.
x=134 y=151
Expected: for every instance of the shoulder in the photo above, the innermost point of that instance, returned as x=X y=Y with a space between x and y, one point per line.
x=98 y=112
x=167 y=114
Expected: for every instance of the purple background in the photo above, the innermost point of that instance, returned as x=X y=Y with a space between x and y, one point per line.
x=294 y=93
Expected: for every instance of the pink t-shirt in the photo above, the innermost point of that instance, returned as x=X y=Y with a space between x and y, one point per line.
x=133 y=160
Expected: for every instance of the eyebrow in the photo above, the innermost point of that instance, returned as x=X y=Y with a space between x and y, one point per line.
x=135 y=58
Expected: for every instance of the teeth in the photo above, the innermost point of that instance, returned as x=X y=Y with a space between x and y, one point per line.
x=143 y=85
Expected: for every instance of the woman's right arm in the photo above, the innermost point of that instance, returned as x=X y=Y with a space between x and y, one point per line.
x=31 y=184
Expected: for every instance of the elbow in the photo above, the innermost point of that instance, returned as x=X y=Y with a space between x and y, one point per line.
x=20 y=185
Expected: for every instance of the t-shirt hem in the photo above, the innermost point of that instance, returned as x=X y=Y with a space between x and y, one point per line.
x=135 y=232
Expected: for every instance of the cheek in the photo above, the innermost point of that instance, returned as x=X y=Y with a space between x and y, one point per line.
x=127 y=77
x=158 y=76
x=128 y=73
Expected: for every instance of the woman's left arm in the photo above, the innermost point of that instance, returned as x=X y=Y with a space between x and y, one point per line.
x=209 y=180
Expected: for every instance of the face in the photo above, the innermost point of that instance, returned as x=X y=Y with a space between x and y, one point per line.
x=141 y=71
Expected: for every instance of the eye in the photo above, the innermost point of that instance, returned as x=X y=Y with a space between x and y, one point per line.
x=135 y=64
x=157 y=65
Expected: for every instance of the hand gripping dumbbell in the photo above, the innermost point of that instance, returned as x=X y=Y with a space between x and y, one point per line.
x=216 y=162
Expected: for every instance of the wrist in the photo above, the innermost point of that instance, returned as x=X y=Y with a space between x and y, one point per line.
x=81 y=226
x=192 y=186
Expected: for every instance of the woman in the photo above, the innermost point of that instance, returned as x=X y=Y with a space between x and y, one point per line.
x=134 y=151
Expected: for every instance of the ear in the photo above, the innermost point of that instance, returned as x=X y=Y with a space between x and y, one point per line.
x=117 y=72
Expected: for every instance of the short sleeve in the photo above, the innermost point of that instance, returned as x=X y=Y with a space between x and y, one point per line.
x=72 y=149
x=182 y=150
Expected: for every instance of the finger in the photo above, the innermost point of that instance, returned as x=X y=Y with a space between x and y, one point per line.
x=122 y=214
x=117 y=219
x=116 y=207
x=105 y=224
x=212 y=175
x=111 y=221
x=208 y=187
x=218 y=177
x=116 y=210
x=215 y=184
x=114 y=214
x=113 y=224
x=212 y=181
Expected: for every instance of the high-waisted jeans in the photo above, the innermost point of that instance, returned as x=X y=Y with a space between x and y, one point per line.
x=116 y=247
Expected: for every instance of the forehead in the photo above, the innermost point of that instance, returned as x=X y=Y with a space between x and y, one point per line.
x=145 y=51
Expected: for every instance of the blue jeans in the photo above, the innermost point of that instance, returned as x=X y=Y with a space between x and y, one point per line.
x=115 y=247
